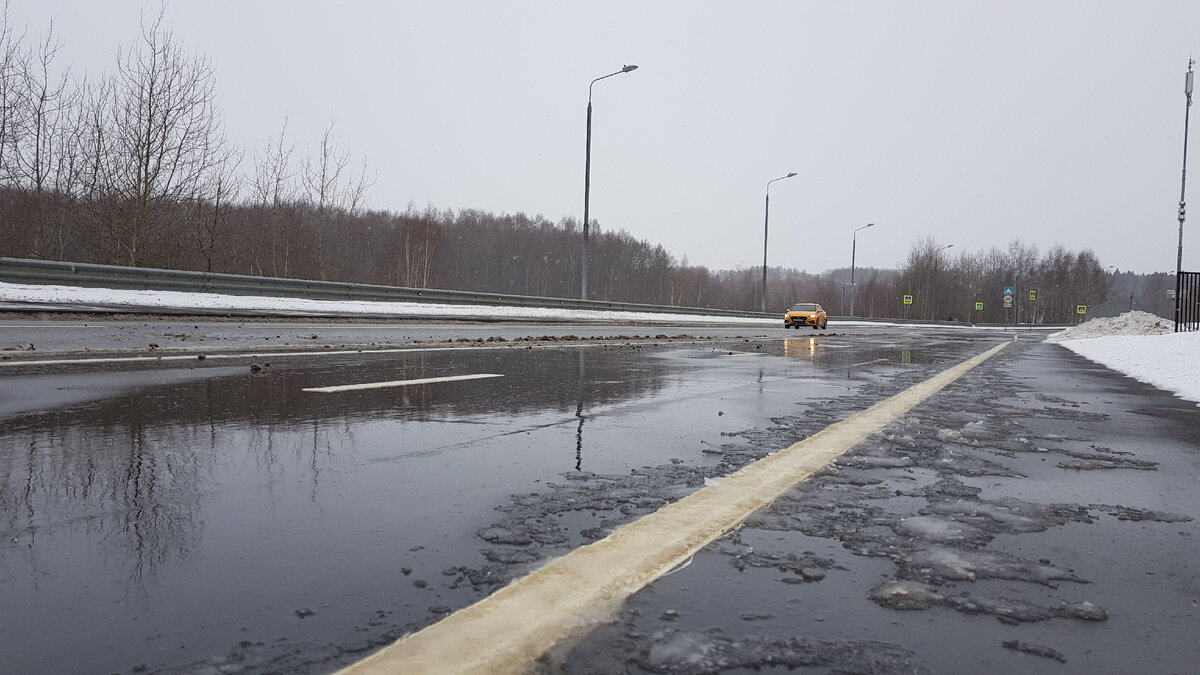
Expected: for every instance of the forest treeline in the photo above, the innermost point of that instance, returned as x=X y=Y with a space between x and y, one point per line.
x=132 y=167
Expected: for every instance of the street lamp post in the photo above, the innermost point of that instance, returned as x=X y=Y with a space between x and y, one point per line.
x=587 y=179
x=853 y=247
x=1187 y=90
x=766 y=222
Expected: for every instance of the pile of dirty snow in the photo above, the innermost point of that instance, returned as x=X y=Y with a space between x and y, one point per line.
x=1129 y=323
x=1142 y=346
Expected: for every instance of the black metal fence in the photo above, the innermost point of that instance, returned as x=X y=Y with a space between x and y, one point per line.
x=1187 y=302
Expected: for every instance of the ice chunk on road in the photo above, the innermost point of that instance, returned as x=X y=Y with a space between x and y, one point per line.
x=914 y=595
x=1001 y=514
x=906 y=595
x=949 y=436
x=937 y=529
x=873 y=462
x=948 y=563
x=680 y=649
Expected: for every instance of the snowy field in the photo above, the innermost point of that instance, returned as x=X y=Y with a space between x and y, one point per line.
x=1142 y=346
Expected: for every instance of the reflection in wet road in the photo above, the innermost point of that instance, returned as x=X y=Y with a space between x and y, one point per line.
x=163 y=517
x=572 y=592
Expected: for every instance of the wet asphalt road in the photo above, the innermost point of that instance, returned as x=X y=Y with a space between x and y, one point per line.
x=198 y=516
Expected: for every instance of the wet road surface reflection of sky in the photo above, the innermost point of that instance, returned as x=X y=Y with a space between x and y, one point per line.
x=160 y=517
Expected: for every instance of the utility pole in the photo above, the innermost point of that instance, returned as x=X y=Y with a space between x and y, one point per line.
x=1187 y=90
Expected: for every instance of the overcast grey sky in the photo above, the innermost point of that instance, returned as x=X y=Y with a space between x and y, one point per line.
x=975 y=123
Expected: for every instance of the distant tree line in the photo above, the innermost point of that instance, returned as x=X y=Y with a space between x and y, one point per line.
x=133 y=168
x=1047 y=287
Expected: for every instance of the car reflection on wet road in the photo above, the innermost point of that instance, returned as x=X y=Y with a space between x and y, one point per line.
x=203 y=516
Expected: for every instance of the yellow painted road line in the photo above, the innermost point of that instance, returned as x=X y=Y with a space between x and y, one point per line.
x=506 y=631
x=399 y=383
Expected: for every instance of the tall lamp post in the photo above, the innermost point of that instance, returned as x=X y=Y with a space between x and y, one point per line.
x=587 y=179
x=766 y=222
x=853 y=247
x=1187 y=90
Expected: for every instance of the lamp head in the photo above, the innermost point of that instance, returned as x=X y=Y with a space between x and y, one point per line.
x=790 y=174
x=626 y=69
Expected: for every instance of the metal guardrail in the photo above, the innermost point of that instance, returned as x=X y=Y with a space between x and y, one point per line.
x=88 y=275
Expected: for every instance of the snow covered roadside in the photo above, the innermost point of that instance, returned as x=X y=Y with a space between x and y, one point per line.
x=176 y=300
x=18 y=295
x=1142 y=346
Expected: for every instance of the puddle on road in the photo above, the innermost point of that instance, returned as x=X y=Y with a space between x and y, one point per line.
x=227 y=519
x=216 y=516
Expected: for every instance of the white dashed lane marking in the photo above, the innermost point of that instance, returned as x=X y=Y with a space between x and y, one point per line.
x=399 y=383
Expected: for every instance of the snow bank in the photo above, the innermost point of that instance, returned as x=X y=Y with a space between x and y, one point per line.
x=1129 y=323
x=1142 y=346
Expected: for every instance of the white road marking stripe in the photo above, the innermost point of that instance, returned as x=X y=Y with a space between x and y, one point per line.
x=399 y=383
x=508 y=630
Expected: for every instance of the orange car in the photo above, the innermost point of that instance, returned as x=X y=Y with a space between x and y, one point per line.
x=805 y=314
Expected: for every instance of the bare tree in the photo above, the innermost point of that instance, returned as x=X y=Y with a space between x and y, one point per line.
x=11 y=108
x=272 y=190
x=334 y=193
x=92 y=107
x=355 y=194
x=162 y=140
x=922 y=278
x=214 y=199
x=414 y=247
x=42 y=151
x=322 y=174
x=273 y=173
